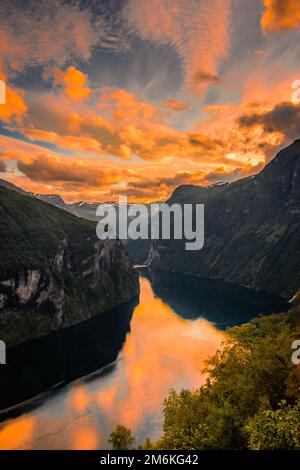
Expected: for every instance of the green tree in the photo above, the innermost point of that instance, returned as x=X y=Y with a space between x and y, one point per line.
x=279 y=429
x=238 y=407
x=121 y=438
x=251 y=373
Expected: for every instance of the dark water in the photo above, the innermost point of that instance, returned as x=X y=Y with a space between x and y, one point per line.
x=118 y=367
x=220 y=302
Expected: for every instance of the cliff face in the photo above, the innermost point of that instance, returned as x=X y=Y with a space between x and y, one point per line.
x=252 y=229
x=54 y=272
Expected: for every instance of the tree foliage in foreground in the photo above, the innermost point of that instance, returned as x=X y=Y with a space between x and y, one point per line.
x=279 y=429
x=121 y=438
x=251 y=398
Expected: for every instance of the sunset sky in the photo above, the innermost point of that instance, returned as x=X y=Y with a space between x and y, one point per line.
x=135 y=97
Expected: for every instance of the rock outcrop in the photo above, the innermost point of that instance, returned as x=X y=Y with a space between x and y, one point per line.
x=54 y=272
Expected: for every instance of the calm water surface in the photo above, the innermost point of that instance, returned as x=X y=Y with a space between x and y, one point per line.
x=117 y=368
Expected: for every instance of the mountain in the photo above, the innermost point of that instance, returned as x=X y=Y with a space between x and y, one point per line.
x=252 y=229
x=87 y=210
x=13 y=187
x=53 y=199
x=83 y=209
x=54 y=272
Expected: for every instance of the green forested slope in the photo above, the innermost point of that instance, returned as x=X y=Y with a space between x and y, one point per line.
x=53 y=270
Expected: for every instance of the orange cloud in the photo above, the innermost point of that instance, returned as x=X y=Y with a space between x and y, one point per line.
x=73 y=82
x=121 y=123
x=15 y=106
x=152 y=155
x=36 y=166
x=140 y=128
x=198 y=31
x=147 y=189
x=70 y=171
x=280 y=14
x=280 y=123
x=175 y=105
x=96 y=179
x=77 y=143
x=124 y=105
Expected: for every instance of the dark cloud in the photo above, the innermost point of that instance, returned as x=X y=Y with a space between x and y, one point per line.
x=201 y=76
x=50 y=169
x=172 y=181
x=284 y=118
x=280 y=14
x=221 y=175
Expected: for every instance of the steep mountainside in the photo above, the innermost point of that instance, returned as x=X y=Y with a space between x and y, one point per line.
x=13 y=187
x=252 y=229
x=83 y=209
x=54 y=272
x=53 y=199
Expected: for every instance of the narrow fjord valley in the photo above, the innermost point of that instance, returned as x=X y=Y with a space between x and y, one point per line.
x=55 y=274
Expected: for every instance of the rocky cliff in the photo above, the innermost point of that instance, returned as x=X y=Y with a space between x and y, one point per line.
x=252 y=229
x=54 y=272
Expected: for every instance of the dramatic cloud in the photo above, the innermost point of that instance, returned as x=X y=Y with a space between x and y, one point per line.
x=49 y=33
x=223 y=175
x=53 y=169
x=66 y=175
x=119 y=124
x=280 y=14
x=198 y=29
x=91 y=125
x=15 y=106
x=73 y=83
x=43 y=33
x=76 y=143
x=147 y=189
x=283 y=118
x=40 y=170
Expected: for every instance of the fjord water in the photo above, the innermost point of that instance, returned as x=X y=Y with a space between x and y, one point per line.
x=117 y=368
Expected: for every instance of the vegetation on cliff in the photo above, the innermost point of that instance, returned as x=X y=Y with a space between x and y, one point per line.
x=251 y=398
x=54 y=272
